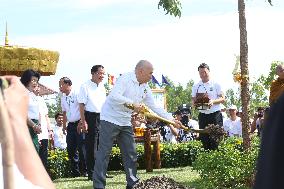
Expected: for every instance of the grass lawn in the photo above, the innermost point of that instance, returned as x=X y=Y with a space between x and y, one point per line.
x=183 y=175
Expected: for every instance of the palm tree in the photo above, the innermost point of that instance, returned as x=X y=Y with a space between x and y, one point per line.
x=173 y=7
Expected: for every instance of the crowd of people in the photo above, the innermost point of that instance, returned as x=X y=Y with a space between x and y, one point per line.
x=91 y=121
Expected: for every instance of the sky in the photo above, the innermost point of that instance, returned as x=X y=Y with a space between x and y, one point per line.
x=119 y=33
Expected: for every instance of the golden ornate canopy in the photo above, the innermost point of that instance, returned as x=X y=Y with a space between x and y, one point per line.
x=15 y=59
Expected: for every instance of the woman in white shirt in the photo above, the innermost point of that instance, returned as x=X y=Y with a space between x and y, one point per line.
x=30 y=80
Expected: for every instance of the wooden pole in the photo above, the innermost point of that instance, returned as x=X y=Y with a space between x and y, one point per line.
x=147 y=150
x=157 y=152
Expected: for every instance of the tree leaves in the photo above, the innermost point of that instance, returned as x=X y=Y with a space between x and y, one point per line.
x=172 y=7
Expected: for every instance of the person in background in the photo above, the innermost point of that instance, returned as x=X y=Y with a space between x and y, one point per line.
x=46 y=131
x=71 y=114
x=59 y=136
x=277 y=86
x=212 y=114
x=258 y=121
x=130 y=89
x=224 y=112
x=270 y=164
x=171 y=134
x=240 y=113
x=91 y=97
x=233 y=124
x=184 y=116
x=28 y=171
x=30 y=80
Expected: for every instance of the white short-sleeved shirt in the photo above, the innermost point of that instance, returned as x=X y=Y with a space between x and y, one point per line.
x=128 y=90
x=70 y=105
x=233 y=128
x=93 y=96
x=33 y=107
x=213 y=89
x=169 y=136
x=193 y=124
x=187 y=136
x=43 y=111
x=59 y=138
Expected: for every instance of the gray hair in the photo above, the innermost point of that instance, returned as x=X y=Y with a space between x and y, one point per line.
x=279 y=66
x=142 y=64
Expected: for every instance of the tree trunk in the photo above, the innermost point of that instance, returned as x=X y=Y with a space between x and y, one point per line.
x=244 y=74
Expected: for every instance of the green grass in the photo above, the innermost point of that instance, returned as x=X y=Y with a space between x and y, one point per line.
x=183 y=175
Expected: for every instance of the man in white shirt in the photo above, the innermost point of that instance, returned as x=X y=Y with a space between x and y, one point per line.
x=184 y=115
x=91 y=97
x=233 y=125
x=211 y=115
x=59 y=136
x=130 y=88
x=71 y=114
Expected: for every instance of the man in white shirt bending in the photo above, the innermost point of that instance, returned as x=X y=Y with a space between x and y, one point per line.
x=233 y=125
x=130 y=88
x=91 y=97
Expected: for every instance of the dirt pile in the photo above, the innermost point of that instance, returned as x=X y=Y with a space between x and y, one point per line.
x=159 y=182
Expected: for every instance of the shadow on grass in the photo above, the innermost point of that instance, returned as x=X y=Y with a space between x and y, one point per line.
x=70 y=179
x=197 y=183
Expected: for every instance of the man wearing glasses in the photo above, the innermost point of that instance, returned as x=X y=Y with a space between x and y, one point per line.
x=91 y=97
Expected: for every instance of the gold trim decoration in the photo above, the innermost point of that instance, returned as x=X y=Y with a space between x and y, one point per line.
x=237 y=71
x=14 y=60
x=6 y=36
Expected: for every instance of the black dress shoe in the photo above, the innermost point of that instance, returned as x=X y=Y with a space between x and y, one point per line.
x=130 y=187
x=109 y=176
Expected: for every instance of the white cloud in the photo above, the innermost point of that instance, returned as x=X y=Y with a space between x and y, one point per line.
x=176 y=49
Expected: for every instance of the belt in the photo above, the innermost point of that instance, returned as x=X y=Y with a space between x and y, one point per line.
x=74 y=123
x=211 y=113
x=92 y=113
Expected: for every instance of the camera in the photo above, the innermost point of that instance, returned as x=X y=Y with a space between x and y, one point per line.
x=184 y=110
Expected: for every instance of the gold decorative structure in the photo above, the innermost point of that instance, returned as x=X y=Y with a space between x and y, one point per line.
x=237 y=71
x=6 y=36
x=15 y=59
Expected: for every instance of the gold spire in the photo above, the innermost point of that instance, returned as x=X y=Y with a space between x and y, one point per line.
x=6 y=36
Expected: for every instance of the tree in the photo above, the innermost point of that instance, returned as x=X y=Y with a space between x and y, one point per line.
x=54 y=108
x=173 y=8
x=233 y=98
x=244 y=74
x=178 y=95
x=272 y=74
